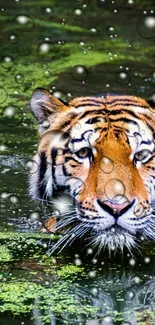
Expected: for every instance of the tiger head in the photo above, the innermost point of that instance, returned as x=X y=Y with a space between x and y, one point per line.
x=100 y=150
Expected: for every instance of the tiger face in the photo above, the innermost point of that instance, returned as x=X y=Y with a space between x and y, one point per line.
x=99 y=150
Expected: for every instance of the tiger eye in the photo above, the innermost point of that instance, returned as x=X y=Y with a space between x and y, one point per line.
x=142 y=155
x=83 y=152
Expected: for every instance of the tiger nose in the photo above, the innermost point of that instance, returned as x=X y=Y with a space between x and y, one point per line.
x=115 y=209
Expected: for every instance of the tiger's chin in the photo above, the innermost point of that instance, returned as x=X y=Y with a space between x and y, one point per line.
x=115 y=239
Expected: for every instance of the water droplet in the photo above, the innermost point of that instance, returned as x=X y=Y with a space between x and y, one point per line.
x=45 y=124
x=130 y=295
x=13 y=199
x=60 y=94
x=46 y=51
x=12 y=116
x=146 y=27
x=107 y=320
x=7 y=62
x=77 y=261
x=78 y=14
x=48 y=12
x=3 y=147
x=45 y=66
x=3 y=95
x=114 y=190
x=111 y=30
x=19 y=78
x=80 y=73
x=13 y=39
x=139 y=210
x=132 y=262
x=34 y=216
x=92 y=274
x=131 y=128
x=107 y=165
x=89 y=251
x=76 y=185
x=93 y=31
x=147 y=259
x=137 y=279
x=32 y=166
x=23 y=23
x=123 y=78
x=47 y=73
x=82 y=45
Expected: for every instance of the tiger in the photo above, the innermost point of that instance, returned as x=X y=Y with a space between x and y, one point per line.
x=100 y=151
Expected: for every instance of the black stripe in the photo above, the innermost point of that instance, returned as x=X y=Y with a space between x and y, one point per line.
x=53 y=155
x=135 y=104
x=65 y=171
x=88 y=104
x=115 y=100
x=42 y=170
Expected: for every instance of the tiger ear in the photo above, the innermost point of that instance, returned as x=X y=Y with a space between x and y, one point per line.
x=43 y=104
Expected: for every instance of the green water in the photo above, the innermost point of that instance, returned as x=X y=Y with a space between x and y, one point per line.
x=106 y=38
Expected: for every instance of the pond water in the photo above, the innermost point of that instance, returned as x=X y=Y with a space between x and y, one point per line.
x=42 y=45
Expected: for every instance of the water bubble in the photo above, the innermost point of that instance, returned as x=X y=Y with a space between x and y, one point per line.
x=60 y=94
x=3 y=95
x=12 y=116
x=47 y=73
x=80 y=73
x=82 y=45
x=13 y=39
x=131 y=128
x=89 y=251
x=126 y=323
x=4 y=195
x=76 y=185
x=7 y=62
x=107 y=165
x=114 y=190
x=23 y=23
x=130 y=295
x=92 y=274
x=132 y=262
x=151 y=79
x=34 y=216
x=94 y=291
x=123 y=78
x=146 y=27
x=78 y=14
x=107 y=320
x=77 y=126
x=147 y=259
x=48 y=12
x=111 y=30
x=137 y=279
x=19 y=78
x=139 y=210
x=46 y=51
x=93 y=31
x=3 y=147
x=45 y=66
x=77 y=261
x=13 y=199
x=32 y=166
